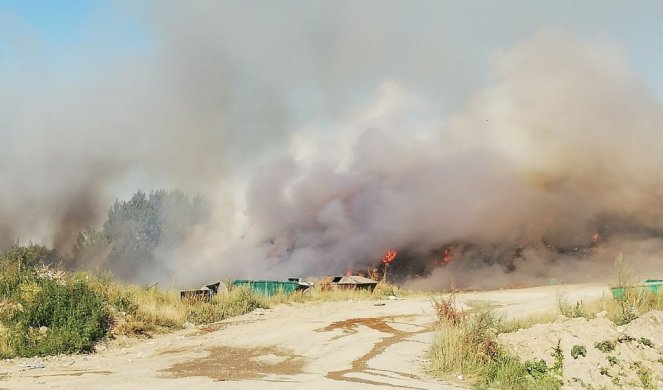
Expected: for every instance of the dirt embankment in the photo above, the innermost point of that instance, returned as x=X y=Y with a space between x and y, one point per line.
x=596 y=353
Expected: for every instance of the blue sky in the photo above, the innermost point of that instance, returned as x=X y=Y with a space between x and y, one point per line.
x=64 y=36
x=119 y=29
x=59 y=23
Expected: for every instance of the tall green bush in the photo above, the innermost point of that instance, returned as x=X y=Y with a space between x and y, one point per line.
x=46 y=316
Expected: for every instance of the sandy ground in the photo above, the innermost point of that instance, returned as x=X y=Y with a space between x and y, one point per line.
x=353 y=344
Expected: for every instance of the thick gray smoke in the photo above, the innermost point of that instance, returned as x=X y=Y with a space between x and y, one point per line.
x=566 y=144
x=326 y=133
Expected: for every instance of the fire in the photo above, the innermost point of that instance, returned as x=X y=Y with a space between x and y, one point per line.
x=596 y=237
x=389 y=257
x=447 y=256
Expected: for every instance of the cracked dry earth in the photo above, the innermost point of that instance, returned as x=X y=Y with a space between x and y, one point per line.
x=351 y=344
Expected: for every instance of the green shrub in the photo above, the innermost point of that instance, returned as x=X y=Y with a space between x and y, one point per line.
x=20 y=257
x=466 y=344
x=605 y=346
x=578 y=350
x=50 y=316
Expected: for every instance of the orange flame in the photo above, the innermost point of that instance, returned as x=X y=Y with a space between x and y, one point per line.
x=596 y=237
x=389 y=257
x=447 y=256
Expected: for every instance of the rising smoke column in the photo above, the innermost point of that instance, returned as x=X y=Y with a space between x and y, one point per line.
x=328 y=133
x=566 y=139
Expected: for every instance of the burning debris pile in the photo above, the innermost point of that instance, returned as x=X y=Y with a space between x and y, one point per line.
x=536 y=178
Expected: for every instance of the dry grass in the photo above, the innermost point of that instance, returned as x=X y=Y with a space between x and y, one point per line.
x=466 y=344
x=316 y=294
x=619 y=311
x=5 y=347
x=634 y=301
x=138 y=310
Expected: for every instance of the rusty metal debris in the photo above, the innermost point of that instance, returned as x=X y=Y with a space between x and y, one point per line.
x=205 y=293
x=264 y=287
x=348 y=282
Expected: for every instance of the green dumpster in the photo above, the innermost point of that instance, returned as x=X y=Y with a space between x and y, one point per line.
x=268 y=287
x=648 y=285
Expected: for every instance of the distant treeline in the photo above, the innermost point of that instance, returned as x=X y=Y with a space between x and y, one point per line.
x=137 y=229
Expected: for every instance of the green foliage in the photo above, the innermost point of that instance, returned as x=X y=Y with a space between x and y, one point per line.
x=630 y=300
x=136 y=228
x=559 y=358
x=578 y=350
x=644 y=374
x=612 y=360
x=238 y=301
x=605 y=346
x=91 y=245
x=576 y=311
x=32 y=255
x=48 y=316
x=646 y=342
x=118 y=297
x=536 y=368
x=467 y=344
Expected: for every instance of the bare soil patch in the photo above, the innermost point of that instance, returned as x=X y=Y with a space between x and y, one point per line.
x=596 y=353
x=231 y=364
x=360 y=365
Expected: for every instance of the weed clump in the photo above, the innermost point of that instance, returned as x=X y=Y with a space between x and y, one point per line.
x=467 y=344
x=578 y=350
x=605 y=346
x=238 y=301
x=48 y=316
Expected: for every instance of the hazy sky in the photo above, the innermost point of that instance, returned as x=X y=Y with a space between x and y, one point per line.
x=76 y=35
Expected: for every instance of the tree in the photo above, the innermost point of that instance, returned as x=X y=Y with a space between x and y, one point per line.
x=136 y=228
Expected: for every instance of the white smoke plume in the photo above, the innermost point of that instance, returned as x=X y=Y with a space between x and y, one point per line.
x=326 y=135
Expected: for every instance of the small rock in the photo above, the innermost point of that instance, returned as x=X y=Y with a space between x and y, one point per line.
x=461 y=377
x=43 y=330
x=601 y=314
x=392 y=298
x=560 y=318
x=32 y=366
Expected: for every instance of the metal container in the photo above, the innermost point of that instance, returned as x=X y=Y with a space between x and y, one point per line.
x=648 y=285
x=270 y=287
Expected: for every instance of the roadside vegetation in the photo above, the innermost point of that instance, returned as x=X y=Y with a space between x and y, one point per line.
x=467 y=346
x=633 y=302
x=47 y=311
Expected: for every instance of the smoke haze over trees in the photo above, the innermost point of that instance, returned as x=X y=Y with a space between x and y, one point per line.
x=139 y=233
x=322 y=134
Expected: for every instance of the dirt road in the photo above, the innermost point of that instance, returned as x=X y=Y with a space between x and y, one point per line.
x=352 y=344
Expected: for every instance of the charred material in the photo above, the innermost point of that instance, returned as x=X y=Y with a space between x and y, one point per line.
x=205 y=293
x=348 y=282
